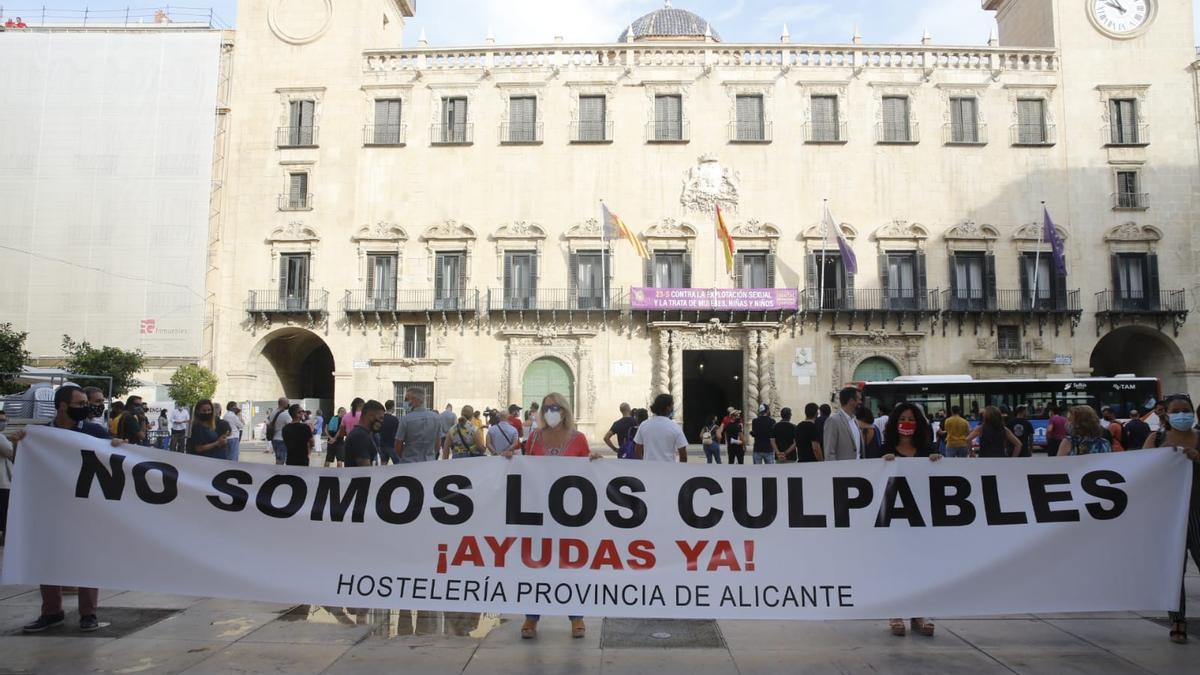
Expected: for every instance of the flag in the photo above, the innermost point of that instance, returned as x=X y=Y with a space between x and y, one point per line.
x=615 y=228
x=1050 y=234
x=726 y=241
x=849 y=260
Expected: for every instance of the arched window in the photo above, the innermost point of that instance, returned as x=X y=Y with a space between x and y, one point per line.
x=876 y=369
x=545 y=376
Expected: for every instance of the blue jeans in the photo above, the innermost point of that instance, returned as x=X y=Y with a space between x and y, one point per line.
x=764 y=458
x=280 y=452
x=712 y=453
x=233 y=445
x=956 y=452
x=538 y=617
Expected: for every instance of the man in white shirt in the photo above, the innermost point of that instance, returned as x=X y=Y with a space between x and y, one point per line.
x=881 y=422
x=179 y=426
x=233 y=417
x=282 y=419
x=660 y=439
x=843 y=439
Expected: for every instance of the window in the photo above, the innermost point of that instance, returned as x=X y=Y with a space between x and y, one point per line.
x=414 y=342
x=668 y=118
x=401 y=388
x=830 y=287
x=964 y=122
x=1135 y=281
x=300 y=131
x=754 y=269
x=297 y=196
x=670 y=270
x=896 y=127
x=899 y=277
x=454 y=121
x=293 y=281
x=593 y=119
x=826 y=125
x=1128 y=194
x=590 y=279
x=750 y=125
x=449 y=280
x=1008 y=342
x=1122 y=120
x=522 y=119
x=1031 y=122
x=520 y=280
x=970 y=281
x=387 y=122
x=1041 y=287
x=381 y=281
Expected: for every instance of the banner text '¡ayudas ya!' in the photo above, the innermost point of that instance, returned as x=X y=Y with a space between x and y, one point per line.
x=953 y=501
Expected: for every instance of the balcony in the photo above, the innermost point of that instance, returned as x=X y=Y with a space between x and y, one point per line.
x=385 y=135
x=1130 y=201
x=668 y=132
x=870 y=303
x=1128 y=137
x=270 y=304
x=521 y=134
x=978 y=305
x=452 y=134
x=1162 y=308
x=818 y=133
x=750 y=132
x=555 y=300
x=591 y=132
x=1032 y=135
x=301 y=201
x=886 y=135
x=296 y=137
x=965 y=134
x=368 y=302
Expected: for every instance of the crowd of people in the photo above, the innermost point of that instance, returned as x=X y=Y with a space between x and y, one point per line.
x=373 y=433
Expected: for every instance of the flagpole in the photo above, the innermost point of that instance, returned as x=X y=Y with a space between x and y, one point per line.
x=604 y=260
x=824 y=249
x=716 y=226
x=1037 y=260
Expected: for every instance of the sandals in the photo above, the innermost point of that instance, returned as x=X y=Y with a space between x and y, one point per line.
x=529 y=630
x=1179 y=633
x=578 y=630
x=923 y=627
x=897 y=626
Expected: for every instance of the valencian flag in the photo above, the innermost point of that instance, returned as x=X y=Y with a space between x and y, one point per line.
x=1050 y=234
x=615 y=228
x=849 y=260
x=726 y=241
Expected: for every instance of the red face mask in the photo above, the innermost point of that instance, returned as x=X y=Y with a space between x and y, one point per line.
x=907 y=428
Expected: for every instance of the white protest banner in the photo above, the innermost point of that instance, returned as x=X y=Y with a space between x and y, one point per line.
x=836 y=540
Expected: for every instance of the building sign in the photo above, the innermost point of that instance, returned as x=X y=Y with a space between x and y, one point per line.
x=715 y=299
x=1063 y=359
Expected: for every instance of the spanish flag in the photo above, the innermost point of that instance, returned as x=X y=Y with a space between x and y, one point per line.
x=615 y=228
x=726 y=241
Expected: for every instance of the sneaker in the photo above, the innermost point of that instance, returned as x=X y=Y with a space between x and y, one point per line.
x=43 y=622
x=89 y=623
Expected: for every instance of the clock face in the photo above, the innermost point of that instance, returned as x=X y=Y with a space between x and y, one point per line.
x=1121 y=18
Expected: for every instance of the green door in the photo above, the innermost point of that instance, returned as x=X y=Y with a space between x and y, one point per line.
x=546 y=376
x=876 y=369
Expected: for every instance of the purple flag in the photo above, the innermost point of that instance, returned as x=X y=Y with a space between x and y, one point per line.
x=1050 y=234
x=849 y=260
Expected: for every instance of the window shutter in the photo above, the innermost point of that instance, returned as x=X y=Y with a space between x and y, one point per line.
x=1153 y=291
x=1114 y=121
x=957 y=133
x=848 y=293
x=297 y=190
x=895 y=118
x=294 y=114
x=687 y=270
x=922 y=282
x=770 y=270
x=460 y=292
x=824 y=118
x=283 y=276
x=739 y=270
x=522 y=119
x=884 y=286
x=533 y=278
x=1118 y=288
x=371 y=262
x=668 y=118
x=592 y=118
x=989 y=280
x=573 y=275
x=1031 y=121
x=509 y=286
x=750 y=118
x=1026 y=283
x=1059 y=284
x=648 y=271
x=812 y=281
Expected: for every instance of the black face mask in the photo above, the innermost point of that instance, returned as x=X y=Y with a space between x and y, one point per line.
x=79 y=414
x=98 y=410
x=376 y=426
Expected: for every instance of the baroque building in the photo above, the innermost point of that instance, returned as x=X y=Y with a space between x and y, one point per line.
x=421 y=216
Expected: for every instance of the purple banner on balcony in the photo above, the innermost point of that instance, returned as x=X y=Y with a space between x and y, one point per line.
x=715 y=299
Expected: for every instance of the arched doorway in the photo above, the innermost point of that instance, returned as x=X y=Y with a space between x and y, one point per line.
x=295 y=363
x=876 y=369
x=545 y=376
x=1142 y=351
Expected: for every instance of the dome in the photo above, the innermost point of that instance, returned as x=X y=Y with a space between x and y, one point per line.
x=670 y=23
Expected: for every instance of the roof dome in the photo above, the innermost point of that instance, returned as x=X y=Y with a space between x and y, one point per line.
x=670 y=23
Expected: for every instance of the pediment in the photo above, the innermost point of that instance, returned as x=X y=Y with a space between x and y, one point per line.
x=817 y=231
x=381 y=231
x=903 y=230
x=294 y=232
x=1033 y=232
x=449 y=230
x=520 y=230
x=972 y=231
x=670 y=228
x=1133 y=232
x=588 y=229
x=753 y=229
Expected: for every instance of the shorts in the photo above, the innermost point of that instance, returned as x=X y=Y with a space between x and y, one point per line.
x=335 y=451
x=280 y=451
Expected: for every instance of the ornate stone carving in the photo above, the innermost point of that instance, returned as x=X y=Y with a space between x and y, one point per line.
x=1033 y=232
x=450 y=229
x=902 y=230
x=817 y=232
x=662 y=363
x=669 y=228
x=1133 y=232
x=381 y=231
x=588 y=229
x=753 y=395
x=520 y=230
x=677 y=374
x=753 y=229
x=903 y=350
x=712 y=335
x=294 y=232
x=708 y=184
x=971 y=231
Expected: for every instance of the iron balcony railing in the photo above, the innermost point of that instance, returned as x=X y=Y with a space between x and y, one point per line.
x=979 y=300
x=885 y=134
x=520 y=133
x=591 y=132
x=873 y=300
x=410 y=301
x=1013 y=354
x=274 y=302
x=1131 y=201
x=668 y=132
x=385 y=134
x=452 y=134
x=1032 y=135
x=1118 y=135
x=826 y=132
x=297 y=137
x=1141 y=302
x=965 y=134
x=296 y=202
x=750 y=131
x=554 y=300
x=968 y=300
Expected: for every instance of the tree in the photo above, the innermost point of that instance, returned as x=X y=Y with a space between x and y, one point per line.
x=191 y=384
x=119 y=364
x=12 y=357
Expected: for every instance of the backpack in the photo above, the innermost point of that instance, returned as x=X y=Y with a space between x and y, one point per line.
x=271 y=425
x=706 y=437
x=626 y=449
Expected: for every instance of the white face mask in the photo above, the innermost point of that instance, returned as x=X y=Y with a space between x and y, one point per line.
x=553 y=419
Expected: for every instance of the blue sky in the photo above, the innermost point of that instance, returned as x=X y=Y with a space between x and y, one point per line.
x=466 y=22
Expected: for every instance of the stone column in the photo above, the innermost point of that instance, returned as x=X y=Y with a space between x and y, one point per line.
x=766 y=374
x=677 y=374
x=753 y=395
x=662 y=384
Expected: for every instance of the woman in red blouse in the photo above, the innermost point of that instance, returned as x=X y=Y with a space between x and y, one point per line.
x=556 y=436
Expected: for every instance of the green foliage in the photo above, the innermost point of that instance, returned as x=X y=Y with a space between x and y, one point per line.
x=191 y=384
x=119 y=364
x=12 y=357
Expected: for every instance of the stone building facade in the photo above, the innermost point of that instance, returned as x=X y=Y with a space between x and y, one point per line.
x=411 y=215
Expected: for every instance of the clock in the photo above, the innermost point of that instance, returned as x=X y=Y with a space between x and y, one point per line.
x=1122 y=19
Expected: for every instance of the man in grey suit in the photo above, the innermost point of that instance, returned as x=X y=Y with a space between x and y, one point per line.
x=843 y=439
x=419 y=434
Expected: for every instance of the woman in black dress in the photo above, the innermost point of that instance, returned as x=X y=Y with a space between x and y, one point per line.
x=204 y=439
x=733 y=439
x=995 y=439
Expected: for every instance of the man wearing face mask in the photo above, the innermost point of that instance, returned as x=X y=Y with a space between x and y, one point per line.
x=361 y=449
x=420 y=430
x=95 y=399
x=130 y=428
x=660 y=439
